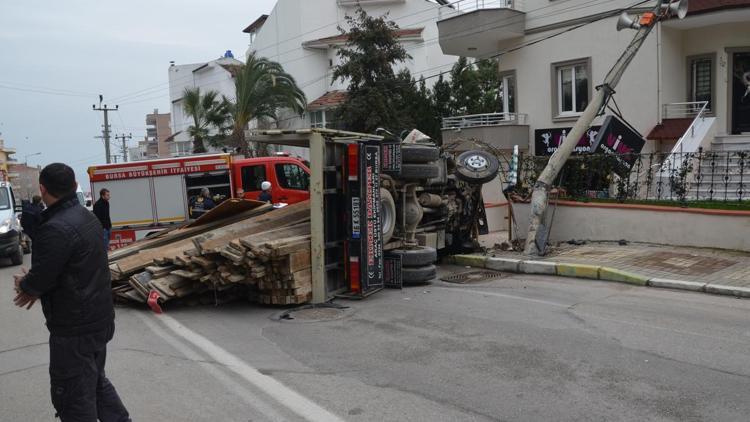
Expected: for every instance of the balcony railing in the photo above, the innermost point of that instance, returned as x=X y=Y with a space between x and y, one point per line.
x=684 y=110
x=466 y=6
x=486 y=119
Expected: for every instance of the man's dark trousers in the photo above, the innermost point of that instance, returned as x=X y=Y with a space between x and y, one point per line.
x=80 y=390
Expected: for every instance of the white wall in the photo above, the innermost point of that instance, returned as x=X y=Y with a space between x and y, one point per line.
x=636 y=94
x=293 y=22
x=679 y=228
x=213 y=77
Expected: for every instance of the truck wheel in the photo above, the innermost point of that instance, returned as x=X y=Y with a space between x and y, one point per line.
x=17 y=257
x=416 y=257
x=418 y=274
x=476 y=167
x=419 y=153
x=388 y=214
x=418 y=171
x=27 y=245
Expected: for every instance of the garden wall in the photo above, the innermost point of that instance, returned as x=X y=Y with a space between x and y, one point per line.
x=642 y=223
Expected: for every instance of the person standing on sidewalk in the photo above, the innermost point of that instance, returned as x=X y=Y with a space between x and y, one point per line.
x=101 y=211
x=70 y=274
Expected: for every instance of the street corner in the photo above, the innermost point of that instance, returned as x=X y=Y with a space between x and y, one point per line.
x=503 y=264
x=477 y=261
x=578 y=270
x=720 y=289
x=664 y=283
x=620 y=276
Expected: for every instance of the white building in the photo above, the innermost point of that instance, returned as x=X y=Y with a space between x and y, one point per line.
x=704 y=57
x=216 y=75
x=302 y=36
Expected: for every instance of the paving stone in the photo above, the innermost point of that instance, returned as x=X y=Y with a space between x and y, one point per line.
x=537 y=267
x=502 y=264
x=677 y=284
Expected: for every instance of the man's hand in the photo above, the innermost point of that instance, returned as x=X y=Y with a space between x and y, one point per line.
x=18 y=277
x=22 y=299
x=25 y=299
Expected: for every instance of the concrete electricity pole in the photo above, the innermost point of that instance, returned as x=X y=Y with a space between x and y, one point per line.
x=536 y=239
x=124 y=140
x=105 y=131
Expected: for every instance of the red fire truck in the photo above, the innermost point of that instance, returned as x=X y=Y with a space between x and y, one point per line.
x=148 y=196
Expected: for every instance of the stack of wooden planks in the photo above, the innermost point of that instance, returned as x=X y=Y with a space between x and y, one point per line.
x=263 y=254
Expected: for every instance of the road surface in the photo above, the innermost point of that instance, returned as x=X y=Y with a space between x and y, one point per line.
x=519 y=348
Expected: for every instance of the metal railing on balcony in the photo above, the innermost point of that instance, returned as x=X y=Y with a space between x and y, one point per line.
x=464 y=6
x=486 y=119
x=684 y=110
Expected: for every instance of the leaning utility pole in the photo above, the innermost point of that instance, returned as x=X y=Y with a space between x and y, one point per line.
x=536 y=239
x=124 y=138
x=105 y=131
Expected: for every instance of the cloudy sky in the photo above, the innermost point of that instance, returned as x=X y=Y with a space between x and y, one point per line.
x=56 y=57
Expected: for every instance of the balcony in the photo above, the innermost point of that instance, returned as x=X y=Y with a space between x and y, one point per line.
x=354 y=3
x=476 y=28
x=499 y=130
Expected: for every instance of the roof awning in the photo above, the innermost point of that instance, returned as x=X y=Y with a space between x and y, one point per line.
x=669 y=129
x=403 y=35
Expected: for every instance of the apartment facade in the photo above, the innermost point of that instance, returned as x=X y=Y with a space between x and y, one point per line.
x=215 y=75
x=302 y=36
x=690 y=82
x=24 y=179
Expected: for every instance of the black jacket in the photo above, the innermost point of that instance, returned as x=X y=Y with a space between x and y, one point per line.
x=101 y=211
x=69 y=270
x=31 y=217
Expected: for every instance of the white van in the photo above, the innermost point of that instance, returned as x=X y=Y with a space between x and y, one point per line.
x=10 y=226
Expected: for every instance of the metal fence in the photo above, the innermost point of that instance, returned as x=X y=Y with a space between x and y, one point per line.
x=705 y=176
x=485 y=119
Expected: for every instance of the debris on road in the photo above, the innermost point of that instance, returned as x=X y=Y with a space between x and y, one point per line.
x=242 y=249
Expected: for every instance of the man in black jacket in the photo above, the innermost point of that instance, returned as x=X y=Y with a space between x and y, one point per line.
x=70 y=274
x=31 y=216
x=101 y=211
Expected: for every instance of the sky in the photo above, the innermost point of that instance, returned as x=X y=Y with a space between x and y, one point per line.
x=56 y=57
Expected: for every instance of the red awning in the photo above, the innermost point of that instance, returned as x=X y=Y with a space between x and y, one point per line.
x=669 y=129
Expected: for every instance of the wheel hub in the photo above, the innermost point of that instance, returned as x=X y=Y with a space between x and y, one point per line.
x=477 y=163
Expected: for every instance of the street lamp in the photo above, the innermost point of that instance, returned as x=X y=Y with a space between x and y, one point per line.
x=26 y=157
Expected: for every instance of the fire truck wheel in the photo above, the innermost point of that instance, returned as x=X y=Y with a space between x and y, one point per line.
x=476 y=167
x=417 y=257
x=418 y=171
x=419 y=153
x=418 y=274
x=388 y=214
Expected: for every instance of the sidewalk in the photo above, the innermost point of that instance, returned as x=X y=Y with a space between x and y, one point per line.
x=648 y=261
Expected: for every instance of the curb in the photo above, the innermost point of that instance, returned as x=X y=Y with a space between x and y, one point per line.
x=591 y=272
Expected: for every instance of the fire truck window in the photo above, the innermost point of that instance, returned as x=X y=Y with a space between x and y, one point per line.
x=291 y=176
x=252 y=177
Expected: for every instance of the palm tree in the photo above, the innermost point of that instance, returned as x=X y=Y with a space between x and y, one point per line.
x=206 y=110
x=262 y=88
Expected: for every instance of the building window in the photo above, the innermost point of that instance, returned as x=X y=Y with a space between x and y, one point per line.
x=572 y=87
x=318 y=119
x=508 y=93
x=701 y=79
x=291 y=176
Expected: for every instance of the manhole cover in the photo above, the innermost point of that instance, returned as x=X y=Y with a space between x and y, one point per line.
x=313 y=314
x=474 y=276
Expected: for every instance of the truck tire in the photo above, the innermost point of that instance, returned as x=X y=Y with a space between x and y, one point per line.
x=412 y=153
x=388 y=214
x=17 y=257
x=418 y=257
x=418 y=171
x=476 y=167
x=418 y=274
x=27 y=245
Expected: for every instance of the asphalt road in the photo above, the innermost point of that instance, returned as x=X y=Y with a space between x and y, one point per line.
x=518 y=349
